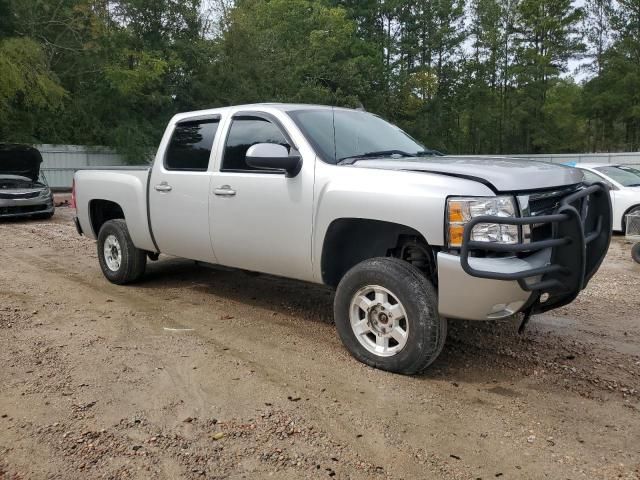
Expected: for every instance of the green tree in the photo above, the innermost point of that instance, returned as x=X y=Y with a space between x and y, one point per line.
x=431 y=44
x=471 y=76
x=612 y=99
x=290 y=50
x=597 y=28
x=28 y=87
x=547 y=37
x=482 y=77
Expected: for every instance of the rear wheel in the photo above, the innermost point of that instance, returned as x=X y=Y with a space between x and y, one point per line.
x=386 y=315
x=121 y=262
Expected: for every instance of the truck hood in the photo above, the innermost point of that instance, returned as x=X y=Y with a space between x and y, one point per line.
x=501 y=174
x=20 y=160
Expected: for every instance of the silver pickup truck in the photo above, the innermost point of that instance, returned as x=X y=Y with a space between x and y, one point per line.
x=408 y=237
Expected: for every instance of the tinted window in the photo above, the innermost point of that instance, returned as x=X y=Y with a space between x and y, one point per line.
x=244 y=132
x=190 y=145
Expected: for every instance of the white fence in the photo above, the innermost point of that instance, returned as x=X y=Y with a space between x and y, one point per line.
x=59 y=162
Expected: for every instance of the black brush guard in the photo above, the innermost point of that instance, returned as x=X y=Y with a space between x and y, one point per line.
x=581 y=227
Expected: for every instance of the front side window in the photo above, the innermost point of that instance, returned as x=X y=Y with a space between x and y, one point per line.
x=190 y=145
x=245 y=132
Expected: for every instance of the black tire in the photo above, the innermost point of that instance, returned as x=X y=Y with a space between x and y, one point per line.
x=427 y=331
x=635 y=252
x=133 y=260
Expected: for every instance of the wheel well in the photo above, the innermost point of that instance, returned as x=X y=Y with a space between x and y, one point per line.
x=350 y=241
x=624 y=215
x=101 y=211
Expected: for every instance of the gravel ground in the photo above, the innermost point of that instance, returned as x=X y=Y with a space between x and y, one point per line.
x=210 y=373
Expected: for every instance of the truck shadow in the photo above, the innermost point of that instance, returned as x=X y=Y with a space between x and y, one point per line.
x=492 y=348
x=284 y=296
x=492 y=356
x=554 y=353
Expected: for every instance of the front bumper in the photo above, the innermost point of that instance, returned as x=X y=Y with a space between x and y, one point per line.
x=476 y=286
x=12 y=208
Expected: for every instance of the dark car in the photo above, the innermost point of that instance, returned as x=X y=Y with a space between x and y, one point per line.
x=23 y=189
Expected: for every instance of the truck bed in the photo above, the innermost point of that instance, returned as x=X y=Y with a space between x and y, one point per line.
x=125 y=186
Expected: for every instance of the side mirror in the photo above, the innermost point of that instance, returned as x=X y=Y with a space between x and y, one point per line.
x=271 y=156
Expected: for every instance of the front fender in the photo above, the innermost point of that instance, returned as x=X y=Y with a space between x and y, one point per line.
x=415 y=200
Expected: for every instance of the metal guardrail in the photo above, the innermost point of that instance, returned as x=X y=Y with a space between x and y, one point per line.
x=569 y=158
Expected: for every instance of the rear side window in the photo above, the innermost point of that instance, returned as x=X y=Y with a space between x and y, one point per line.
x=190 y=145
x=244 y=132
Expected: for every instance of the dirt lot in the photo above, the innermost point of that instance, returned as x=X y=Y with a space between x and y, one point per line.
x=209 y=373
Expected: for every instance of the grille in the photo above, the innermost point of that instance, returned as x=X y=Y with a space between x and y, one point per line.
x=14 y=196
x=543 y=203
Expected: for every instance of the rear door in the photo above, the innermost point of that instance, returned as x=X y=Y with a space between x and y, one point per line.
x=179 y=191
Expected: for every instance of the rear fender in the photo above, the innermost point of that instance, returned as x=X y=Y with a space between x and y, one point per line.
x=127 y=189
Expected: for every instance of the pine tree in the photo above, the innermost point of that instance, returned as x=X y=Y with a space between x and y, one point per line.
x=546 y=38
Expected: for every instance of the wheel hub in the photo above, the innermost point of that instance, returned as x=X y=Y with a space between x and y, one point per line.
x=379 y=320
x=112 y=253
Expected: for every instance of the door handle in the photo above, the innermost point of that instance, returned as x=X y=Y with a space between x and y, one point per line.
x=224 y=191
x=163 y=187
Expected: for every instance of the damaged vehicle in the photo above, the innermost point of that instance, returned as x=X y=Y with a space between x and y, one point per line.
x=23 y=189
x=407 y=237
x=624 y=187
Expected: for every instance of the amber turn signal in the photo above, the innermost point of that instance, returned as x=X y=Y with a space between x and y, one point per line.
x=455 y=212
x=455 y=235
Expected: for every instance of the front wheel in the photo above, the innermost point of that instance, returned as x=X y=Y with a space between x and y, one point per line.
x=121 y=262
x=386 y=314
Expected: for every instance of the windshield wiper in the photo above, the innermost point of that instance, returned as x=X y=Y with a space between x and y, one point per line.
x=388 y=153
x=429 y=153
x=381 y=153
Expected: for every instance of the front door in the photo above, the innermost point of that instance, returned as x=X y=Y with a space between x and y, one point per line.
x=261 y=220
x=179 y=191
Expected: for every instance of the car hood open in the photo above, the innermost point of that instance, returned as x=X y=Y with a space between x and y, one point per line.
x=500 y=173
x=20 y=160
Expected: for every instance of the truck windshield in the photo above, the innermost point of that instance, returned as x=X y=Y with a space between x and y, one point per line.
x=343 y=136
x=626 y=176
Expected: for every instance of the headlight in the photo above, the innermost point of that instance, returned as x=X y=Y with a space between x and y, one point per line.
x=461 y=210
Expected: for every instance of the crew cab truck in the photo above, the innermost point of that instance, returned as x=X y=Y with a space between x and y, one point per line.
x=408 y=238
